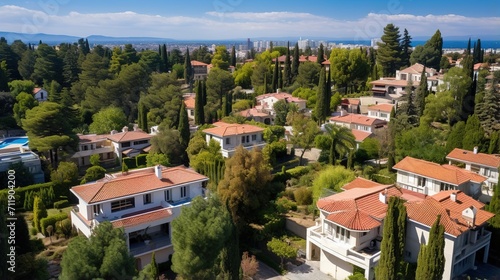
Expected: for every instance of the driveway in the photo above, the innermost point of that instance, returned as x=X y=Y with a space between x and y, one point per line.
x=306 y=271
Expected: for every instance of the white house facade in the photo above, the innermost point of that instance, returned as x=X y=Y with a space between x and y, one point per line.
x=40 y=94
x=381 y=111
x=230 y=136
x=358 y=122
x=144 y=201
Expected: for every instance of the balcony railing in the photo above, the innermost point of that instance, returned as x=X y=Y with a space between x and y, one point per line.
x=158 y=241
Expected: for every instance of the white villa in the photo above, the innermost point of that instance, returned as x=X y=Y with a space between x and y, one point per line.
x=144 y=201
x=349 y=230
x=358 y=122
x=40 y=94
x=483 y=164
x=267 y=101
x=230 y=136
x=381 y=111
x=431 y=178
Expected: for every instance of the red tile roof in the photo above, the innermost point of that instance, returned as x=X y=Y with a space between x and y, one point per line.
x=357 y=119
x=129 y=136
x=479 y=158
x=444 y=173
x=361 y=182
x=351 y=101
x=136 y=182
x=233 y=129
x=360 y=135
x=189 y=102
x=197 y=63
x=142 y=218
x=426 y=211
x=36 y=90
x=354 y=219
x=253 y=112
x=417 y=68
x=384 y=107
x=280 y=96
x=92 y=137
x=393 y=82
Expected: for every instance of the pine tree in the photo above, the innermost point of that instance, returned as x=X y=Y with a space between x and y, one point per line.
x=494 y=147
x=287 y=75
x=488 y=111
x=275 y=75
x=321 y=55
x=184 y=126
x=389 y=52
x=392 y=246
x=199 y=113
x=474 y=134
x=430 y=264
x=455 y=138
x=295 y=62
x=406 y=49
x=233 y=57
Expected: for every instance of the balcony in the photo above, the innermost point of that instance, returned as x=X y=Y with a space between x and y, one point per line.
x=462 y=252
x=364 y=257
x=158 y=241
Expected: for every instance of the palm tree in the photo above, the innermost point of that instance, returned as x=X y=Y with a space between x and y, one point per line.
x=342 y=141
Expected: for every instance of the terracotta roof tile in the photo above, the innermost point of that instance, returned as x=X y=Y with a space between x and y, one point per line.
x=233 y=129
x=136 y=182
x=360 y=135
x=384 y=107
x=479 y=158
x=360 y=182
x=443 y=173
x=86 y=138
x=197 y=63
x=358 y=119
x=142 y=218
x=426 y=211
x=280 y=96
x=354 y=219
x=417 y=68
x=189 y=102
x=129 y=136
x=253 y=112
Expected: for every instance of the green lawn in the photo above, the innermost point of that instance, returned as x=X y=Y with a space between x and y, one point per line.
x=53 y=211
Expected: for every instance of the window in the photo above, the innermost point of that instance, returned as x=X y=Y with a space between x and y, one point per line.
x=383 y=115
x=184 y=191
x=125 y=144
x=141 y=142
x=168 y=195
x=96 y=209
x=191 y=112
x=446 y=187
x=242 y=139
x=422 y=181
x=147 y=198
x=248 y=138
x=123 y=204
x=228 y=141
x=254 y=137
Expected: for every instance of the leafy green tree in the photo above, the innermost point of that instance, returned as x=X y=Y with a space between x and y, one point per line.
x=108 y=119
x=184 y=126
x=198 y=253
x=331 y=178
x=430 y=53
x=93 y=70
x=455 y=138
x=66 y=174
x=95 y=160
x=430 y=263
x=276 y=71
x=219 y=83
x=164 y=100
x=321 y=55
x=153 y=159
x=494 y=147
x=168 y=142
x=243 y=75
x=244 y=187
x=349 y=68
x=420 y=142
x=304 y=132
x=48 y=66
x=94 y=173
x=281 y=111
x=26 y=65
x=406 y=49
x=474 y=134
x=151 y=59
x=25 y=101
x=104 y=255
x=389 y=51
x=68 y=54
x=308 y=74
x=39 y=212
x=220 y=58
x=441 y=107
x=18 y=86
x=393 y=240
x=3 y=76
x=150 y=271
x=282 y=249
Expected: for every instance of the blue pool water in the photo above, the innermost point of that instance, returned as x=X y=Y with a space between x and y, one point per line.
x=22 y=141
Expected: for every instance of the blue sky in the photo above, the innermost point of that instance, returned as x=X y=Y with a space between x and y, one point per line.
x=225 y=19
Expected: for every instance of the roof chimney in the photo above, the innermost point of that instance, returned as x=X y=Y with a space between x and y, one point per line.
x=277 y=90
x=113 y=132
x=469 y=215
x=125 y=129
x=453 y=197
x=136 y=127
x=158 y=171
x=475 y=150
x=382 y=196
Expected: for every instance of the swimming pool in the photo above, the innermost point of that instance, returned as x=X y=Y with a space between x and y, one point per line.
x=14 y=142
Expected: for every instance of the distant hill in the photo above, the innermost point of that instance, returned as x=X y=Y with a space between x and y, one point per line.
x=52 y=39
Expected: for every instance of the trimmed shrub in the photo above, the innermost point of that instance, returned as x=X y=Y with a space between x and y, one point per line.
x=140 y=160
x=283 y=205
x=61 y=204
x=303 y=196
x=57 y=191
x=298 y=171
x=130 y=162
x=51 y=221
x=33 y=231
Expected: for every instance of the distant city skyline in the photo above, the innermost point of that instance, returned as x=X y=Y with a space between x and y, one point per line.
x=229 y=19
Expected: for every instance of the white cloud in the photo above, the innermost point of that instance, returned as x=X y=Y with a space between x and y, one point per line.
x=217 y=25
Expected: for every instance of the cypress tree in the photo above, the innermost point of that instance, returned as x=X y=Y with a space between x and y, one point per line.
x=142 y=115
x=265 y=83
x=164 y=58
x=188 y=70
x=39 y=212
x=392 y=245
x=320 y=110
x=287 y=71
x=280 y=79
x=328 y=96
x=233 y=57
x=430 y=264
x=474 y=134
x=199 y=114
x=421 y=93
x=155 y=273
x=455 y=137
x=468 y=48
x=321 y=55
x=295 y=62
x=184 y=126
x=275 y=75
